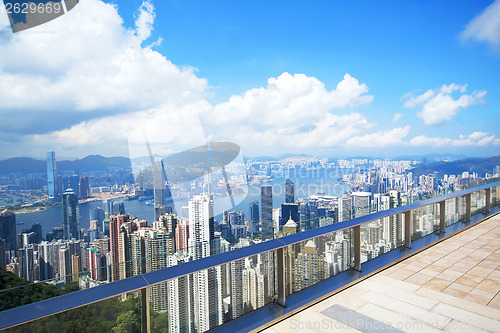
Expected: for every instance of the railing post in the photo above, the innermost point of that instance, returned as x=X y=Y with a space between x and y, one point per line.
x=408 y=228
x=281 y=275
x=488 y=198
x=357 y=248
x=442 y=216
x=146 y=317
x=467 y=207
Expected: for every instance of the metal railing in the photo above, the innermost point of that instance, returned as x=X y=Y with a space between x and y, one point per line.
x=403 y=225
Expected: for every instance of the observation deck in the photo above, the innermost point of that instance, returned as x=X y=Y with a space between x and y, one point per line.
x=429 y=264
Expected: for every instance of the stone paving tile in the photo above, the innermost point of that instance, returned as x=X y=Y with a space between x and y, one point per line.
x=406 y=309
x=418 y=278
x=453 y=286
x=461 y=287
x=396 y=320
x=469 y=280
x=457 y=326
x=450 y=275
x=480 y=271
x=495 y=302
x=477 y=299
x=483 y=293
x=495 y=275
x=489 y=285
x=467 y=317
x=454 y=292
x=437 y=284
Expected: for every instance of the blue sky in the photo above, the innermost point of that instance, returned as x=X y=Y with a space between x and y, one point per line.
x=328 y=79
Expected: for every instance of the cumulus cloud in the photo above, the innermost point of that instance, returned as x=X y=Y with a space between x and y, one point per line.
x=396 y=117
x=485 y=27
x=439 y=105
x=111 y=92
x=87 y=61
x=379 y=139
x=167 y=128
x=474 y=139
x=292 y=111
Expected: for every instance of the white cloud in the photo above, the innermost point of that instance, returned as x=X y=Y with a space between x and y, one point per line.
x=87 y=60
x=439 y=106
x=293 y=111
x=144 y=21
x=413 y=101
x=474 y=139
x=380 y=139
x=89 y=63
x=168 y=128
x=485 y=27
x=397 y=116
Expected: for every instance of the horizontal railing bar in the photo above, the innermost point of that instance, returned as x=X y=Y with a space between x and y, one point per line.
x=77 y=299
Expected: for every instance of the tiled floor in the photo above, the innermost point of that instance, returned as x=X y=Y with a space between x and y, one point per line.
x=452 y=286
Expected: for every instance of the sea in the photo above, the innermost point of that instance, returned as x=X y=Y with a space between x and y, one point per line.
x=305 y=185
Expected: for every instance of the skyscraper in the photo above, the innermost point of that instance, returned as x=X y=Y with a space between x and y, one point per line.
x=266 y=204
x=236 y=220
x=71 y=226
x=289 y=211
x=51 y=175
x=289 y=191
x=118 y=208
x=207 y=284
x=8 y=229
x=114 y=238
x=84 y=188
x=201 y=225
x=361 y=202
x=254 y=217
x=158 y=186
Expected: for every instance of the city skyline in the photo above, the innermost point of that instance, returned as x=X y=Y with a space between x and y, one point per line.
x=326 y=80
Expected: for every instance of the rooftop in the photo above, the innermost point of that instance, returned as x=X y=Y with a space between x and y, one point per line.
x=451 y=286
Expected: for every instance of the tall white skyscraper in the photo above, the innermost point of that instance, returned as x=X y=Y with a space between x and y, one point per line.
x=179 y=297
x=201 y=225
x=207 y=284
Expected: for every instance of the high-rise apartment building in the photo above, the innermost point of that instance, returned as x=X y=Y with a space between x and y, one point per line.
x=201 y=225
x=344 y=208
x=207 y=284
x=182 y=235
x=115 y=225
x=266 y=204
x=71 y=226
x=361 y=202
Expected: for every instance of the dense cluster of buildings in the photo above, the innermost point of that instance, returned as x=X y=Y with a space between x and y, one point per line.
x=118 y=245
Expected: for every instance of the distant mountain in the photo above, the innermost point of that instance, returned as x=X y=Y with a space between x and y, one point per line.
x=429 y=158
x=478 y=165
x=282 y=157
x=285 y=156
x=87 y=164
x=96 y=163
x=23 y=165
